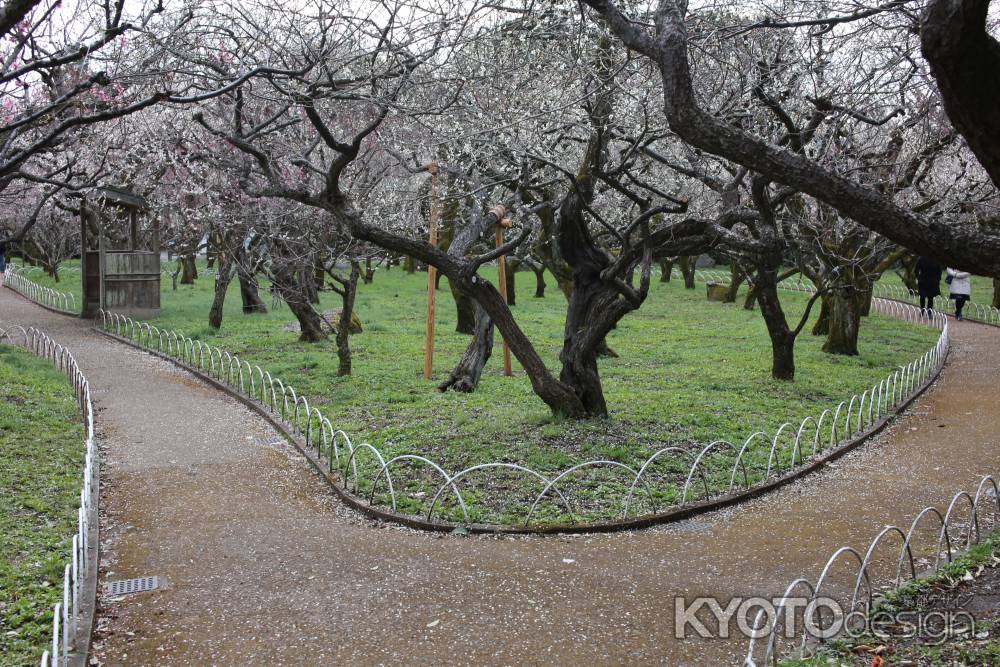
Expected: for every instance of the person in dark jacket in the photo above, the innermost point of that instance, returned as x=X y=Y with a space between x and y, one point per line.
x=928 y=282
x=3 y=261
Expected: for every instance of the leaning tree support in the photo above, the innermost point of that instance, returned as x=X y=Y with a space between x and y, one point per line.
x=505 y=223
x=432 y=169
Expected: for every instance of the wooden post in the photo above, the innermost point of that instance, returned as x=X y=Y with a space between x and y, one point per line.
x=432 y=168
x=502 y=271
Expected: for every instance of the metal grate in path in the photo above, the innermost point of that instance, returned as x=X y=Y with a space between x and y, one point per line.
x=128 y=586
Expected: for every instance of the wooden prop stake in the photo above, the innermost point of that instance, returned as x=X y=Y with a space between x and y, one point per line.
x=432 y=168
x=502 y=270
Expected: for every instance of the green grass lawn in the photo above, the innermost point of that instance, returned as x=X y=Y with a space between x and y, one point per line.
x=41 y=458
x=689 y=372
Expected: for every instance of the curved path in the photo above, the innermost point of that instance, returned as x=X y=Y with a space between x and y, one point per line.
x=262 y=566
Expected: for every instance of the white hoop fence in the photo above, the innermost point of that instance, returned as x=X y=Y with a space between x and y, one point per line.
x=669 y=480
x=978 y=312
x=73 y=617
x=857 y=574
x=16 y=279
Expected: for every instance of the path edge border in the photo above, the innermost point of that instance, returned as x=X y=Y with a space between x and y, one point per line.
x=78 y=316
x=80 y=655
x=677 y=514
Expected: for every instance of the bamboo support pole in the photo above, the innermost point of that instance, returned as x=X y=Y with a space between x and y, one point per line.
x=502 y=270
x=432 y=168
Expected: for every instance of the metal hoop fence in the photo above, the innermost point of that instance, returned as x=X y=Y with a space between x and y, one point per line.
x=64 y=302
x=69 y=618
x=968 y=515
x=975 y=311
x=717 y=470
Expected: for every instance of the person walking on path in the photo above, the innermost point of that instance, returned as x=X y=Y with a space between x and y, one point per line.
x=961 y=290
x=928 y=282
x=3 y=261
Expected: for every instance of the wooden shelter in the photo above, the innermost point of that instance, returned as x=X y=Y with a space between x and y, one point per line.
x=121 y=254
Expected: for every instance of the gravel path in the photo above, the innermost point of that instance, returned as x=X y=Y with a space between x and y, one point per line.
x=262 y=566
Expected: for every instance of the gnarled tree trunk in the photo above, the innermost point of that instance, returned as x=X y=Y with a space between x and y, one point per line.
x=222 y=280
x=350 y=291
x=687 y=265
x=294 y=291
x=845 y=323
x=189 y=270
x=469 y=370
x=736 y=278
x=965 y=61
x=465 y=310
x=539 y=282
x=593 y=311
x=822 y=326
x=252 y=303
x=513 y=264
x=666 y=268
x=782 y=338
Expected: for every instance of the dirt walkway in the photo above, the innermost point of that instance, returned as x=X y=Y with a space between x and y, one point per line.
x=264 y=567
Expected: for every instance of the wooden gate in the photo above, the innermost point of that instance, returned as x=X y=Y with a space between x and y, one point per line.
x=121 y=271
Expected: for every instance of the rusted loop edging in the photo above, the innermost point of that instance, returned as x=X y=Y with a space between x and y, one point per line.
x=677 y=514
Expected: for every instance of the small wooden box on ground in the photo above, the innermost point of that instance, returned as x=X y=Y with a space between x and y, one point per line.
x=717 y=291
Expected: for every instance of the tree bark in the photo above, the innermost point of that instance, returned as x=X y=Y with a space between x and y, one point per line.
x=909 y=274
x=965 y=61
x=252 y=303
x=310 y=324
x=222 y=280
x=687 y=270
x=845 y=323
x=465 y=376
x=539 y=282
x=13 y=11
x=469 y=370
x=593 y=311
x=294 y=291
x=344 y=326
x=736 y=278
x=666 y=268
x=864 y=300
x=409 y=265
x=189 y=270
x=319 y=274
x=465 y=310
x=512 y=266
x=782 y=338
x=822 y=326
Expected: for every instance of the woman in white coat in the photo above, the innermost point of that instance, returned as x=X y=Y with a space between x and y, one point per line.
x=961 y=289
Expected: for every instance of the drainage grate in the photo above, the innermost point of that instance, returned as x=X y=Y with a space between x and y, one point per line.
x=127 y=586
x=271 y=441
